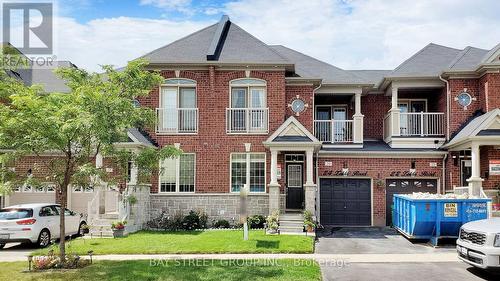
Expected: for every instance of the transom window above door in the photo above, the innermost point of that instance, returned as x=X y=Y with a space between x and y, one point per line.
x=248 y=112
x=178 y=111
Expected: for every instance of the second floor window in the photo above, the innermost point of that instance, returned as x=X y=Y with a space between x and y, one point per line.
x=248 y=111
x=178 y=112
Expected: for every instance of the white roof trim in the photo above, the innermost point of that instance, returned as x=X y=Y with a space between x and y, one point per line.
x=287 y=125
x=494 y=116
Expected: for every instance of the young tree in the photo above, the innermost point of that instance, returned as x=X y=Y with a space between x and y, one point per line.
x=76 y=126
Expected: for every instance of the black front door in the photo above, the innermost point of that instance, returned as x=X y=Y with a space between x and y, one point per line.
x=294 y=186
x=405 y=186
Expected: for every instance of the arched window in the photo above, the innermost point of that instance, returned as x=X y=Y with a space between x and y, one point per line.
x=178 y=112
x=248 y=93
x=248 y=111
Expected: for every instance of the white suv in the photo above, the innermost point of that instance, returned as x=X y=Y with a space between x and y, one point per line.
x=36 y=223
x=479 y=243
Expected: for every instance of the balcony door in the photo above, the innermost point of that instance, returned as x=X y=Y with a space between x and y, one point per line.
x=410 y=124
x=248 y=103
x=178 y=105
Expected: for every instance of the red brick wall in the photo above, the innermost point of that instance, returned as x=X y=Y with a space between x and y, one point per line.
x=459 y=115
x=212 y=145
x=489 y=153
x=380 y=168
x=492 y=96
x=306 y=94
x=374 y=108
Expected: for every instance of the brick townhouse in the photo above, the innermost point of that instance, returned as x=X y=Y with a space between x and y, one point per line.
x=306 y=135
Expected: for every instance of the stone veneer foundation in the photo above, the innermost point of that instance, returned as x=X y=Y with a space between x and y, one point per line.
x=216 y=206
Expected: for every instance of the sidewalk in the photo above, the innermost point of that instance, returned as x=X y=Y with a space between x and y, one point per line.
x=351 y=258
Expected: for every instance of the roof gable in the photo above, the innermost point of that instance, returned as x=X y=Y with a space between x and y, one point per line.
x=224 y=42
x=489 y=121
x=292 y=131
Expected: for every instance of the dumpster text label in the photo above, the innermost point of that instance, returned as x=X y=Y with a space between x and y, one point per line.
x=450 y=210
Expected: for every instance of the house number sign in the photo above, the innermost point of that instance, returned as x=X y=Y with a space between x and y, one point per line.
x=341 y=173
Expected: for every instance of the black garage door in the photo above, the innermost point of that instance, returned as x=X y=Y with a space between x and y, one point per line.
x=345 y=202
x=405 y=186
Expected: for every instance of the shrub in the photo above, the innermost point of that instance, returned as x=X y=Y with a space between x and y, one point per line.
x=256 y=221
x=118 y=225
x=222 y=224
x=272 y=221
x=191 y=221
x=203 y=219
x=177 y=222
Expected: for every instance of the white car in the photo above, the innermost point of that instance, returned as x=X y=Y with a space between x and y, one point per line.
x=479 y=243
x=37 y=223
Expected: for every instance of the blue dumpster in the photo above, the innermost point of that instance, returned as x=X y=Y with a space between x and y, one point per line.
x=435 y=218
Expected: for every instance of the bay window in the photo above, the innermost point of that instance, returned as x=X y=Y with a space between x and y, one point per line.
x=178 y=174
x=178 y=112
x=248 y=168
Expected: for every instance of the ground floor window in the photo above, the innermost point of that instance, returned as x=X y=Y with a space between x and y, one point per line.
x=255 y=176
x=178 y=174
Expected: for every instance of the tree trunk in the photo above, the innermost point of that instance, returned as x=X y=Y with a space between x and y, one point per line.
x=62 y=224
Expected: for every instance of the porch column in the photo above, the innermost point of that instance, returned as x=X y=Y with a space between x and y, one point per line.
x=475 y=181
x=274 y=187
x=309 y=186
x=358 y=119
x=395 y=112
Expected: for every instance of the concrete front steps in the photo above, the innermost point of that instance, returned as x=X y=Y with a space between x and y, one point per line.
x=291 y=223
x=101 y=227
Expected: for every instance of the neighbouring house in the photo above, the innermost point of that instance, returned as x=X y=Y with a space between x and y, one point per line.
x=306 y=135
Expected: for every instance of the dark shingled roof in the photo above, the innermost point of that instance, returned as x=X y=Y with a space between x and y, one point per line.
x=291 y=139
x=309 y=67
x=379 y=146
x=236 y=46
x=428 y=62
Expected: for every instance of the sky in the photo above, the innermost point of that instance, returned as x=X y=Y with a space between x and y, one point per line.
x=351 y=34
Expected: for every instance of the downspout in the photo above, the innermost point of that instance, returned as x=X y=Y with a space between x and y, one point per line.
x=447 y=106
x=444 y=173
x=317 y=188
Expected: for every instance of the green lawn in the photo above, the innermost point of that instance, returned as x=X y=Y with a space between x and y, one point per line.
x=192 y=242
x=173 y=270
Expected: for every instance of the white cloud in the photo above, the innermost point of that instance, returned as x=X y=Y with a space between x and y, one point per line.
x=377 y=34
x=170 y=5
x=369 y=34
x=115 y=40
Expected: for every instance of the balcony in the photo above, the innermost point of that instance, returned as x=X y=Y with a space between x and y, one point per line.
x=247 y=120
x=424 y=128
x=177 y=120
x=334 y=131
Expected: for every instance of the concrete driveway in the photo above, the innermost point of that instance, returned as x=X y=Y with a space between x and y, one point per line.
x=16 y=251
x=372 y=240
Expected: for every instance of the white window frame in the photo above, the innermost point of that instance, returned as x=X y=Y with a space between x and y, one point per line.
x=177 y=176
x=23 y=188
x=178 y=87
x=407 y=102
x=248 y=161
x=234 y=84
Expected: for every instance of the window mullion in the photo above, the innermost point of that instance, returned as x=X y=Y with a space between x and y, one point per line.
x=177 y=173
